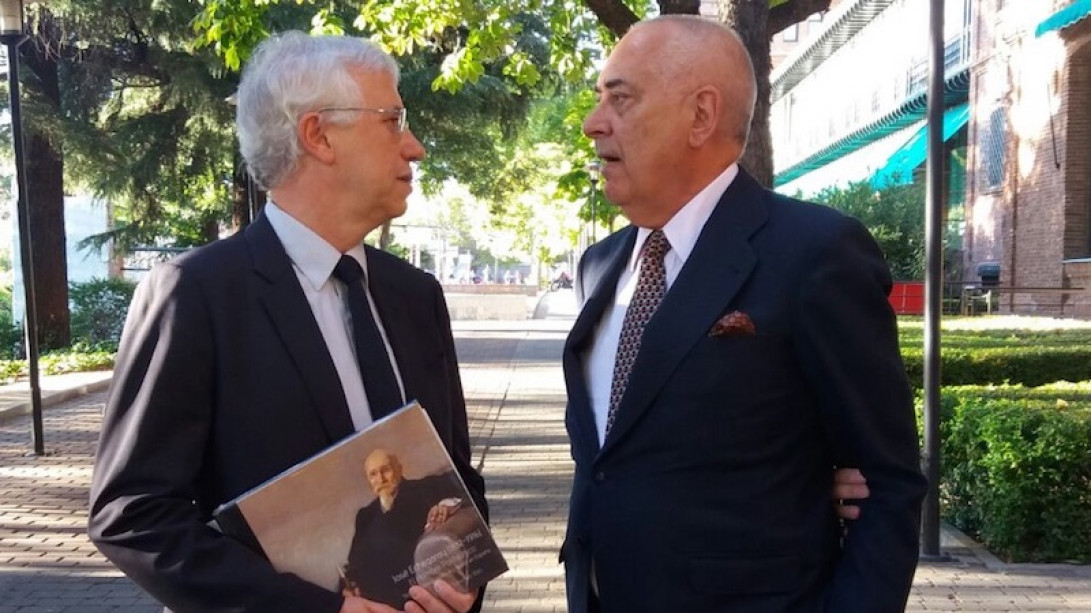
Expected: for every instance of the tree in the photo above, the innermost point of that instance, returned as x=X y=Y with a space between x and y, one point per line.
x=45 y=188
x=486 y=29
x=895 y=217
x=118 y=105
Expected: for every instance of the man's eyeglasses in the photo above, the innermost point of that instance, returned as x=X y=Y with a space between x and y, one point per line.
x=400 y=113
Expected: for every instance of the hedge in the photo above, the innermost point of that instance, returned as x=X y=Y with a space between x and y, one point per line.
x=1034 y=365
x=1016 y=468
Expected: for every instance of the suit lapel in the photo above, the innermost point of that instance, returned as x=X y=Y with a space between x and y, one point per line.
x=716 y=269
x=399 y=328
x=294 y=323
x=601 y=273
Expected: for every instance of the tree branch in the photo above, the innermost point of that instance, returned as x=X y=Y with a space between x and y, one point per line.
x=793 y=12
x=613 y=14
x=680 y=7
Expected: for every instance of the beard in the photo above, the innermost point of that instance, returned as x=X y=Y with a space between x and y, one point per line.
x=386 y=499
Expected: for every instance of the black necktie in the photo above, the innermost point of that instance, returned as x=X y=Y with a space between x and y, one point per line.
x=379 y=382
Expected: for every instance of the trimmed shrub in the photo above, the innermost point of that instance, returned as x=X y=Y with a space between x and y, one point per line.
x=99 y=307
x=1014 y=364
x=1016 y=469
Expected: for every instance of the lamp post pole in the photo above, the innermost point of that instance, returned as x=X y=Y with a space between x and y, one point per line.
x=12 y=35
x=933 y=288
x=594 y=171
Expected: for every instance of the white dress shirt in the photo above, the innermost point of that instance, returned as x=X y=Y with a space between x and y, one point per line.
x=682 y=231
x=314 y=260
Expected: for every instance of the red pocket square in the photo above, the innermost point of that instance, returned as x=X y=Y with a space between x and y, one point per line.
x=735 y=323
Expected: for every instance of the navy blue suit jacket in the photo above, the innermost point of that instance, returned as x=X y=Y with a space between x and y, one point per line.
x=712 y=490
x=222 y=381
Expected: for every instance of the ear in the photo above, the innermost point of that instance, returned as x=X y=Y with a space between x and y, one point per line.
x=313 y=138
x=707 y=103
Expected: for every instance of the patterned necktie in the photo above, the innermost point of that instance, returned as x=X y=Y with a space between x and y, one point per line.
x=379 y=383
x=650 y=287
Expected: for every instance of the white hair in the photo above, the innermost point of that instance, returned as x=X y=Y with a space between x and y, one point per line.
x=288 y=75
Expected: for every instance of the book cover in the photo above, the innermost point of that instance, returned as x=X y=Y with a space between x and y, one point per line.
x=373 y=515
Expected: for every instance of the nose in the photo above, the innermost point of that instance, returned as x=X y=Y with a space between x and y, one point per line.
x=412 y=149
x=595 y=125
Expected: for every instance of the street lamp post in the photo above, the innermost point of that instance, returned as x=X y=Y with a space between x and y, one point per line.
x=594 y=171
x=12 y=35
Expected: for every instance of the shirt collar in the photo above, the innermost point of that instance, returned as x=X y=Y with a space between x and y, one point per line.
x=683 y=230
x=312 y=255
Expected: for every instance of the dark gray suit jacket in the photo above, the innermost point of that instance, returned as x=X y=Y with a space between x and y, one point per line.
x=222 y=381
x=712 y=490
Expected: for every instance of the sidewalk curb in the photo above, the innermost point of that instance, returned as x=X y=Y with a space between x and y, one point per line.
x=53 y=397
x=960 y=540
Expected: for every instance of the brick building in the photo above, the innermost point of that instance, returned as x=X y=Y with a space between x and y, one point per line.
x=849 y=104
x=1029 y=164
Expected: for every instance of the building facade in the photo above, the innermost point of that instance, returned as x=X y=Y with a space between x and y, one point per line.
x=1028 y=205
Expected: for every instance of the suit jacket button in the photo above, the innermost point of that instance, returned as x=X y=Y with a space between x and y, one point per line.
x=600 y=476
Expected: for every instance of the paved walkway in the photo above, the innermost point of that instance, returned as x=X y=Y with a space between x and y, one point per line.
x=515 y=394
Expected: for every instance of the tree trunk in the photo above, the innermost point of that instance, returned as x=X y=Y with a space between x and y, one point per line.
x=750 y=19
x=680 y=7
x=793 y=12
x=247 y=199
x=384 y=236
x=45 y=199
x=240 y=196
x=210 y=229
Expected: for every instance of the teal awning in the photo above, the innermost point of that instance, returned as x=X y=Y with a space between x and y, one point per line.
x=1065 y=17
x=956 y=89
x=899 y=168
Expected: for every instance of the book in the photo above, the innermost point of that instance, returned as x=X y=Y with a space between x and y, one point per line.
x=376 y=513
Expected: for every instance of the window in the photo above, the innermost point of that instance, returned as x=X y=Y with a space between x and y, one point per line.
x=815 y=17
x=993 y=141
x=791 y=33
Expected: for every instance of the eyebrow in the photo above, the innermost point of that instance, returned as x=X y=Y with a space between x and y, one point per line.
x=611 y=84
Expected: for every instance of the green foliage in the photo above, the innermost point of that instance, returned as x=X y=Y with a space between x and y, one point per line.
x=99 y=307
x=1001 y=355
x=469 y=36
x=1024 y=365
x=78 y=359
x=11 y=333
x=1015 y=445
x=471 y=134
x=895 y=217
x=1016 y=466
x=142 y=118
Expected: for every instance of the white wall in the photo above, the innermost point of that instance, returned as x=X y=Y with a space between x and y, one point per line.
x=83 y=217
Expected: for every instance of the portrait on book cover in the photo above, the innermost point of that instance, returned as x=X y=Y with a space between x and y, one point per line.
x=325 y=521
x=382 y=560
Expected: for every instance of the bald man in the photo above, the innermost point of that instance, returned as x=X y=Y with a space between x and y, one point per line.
x=734 y=346
x=387 y=529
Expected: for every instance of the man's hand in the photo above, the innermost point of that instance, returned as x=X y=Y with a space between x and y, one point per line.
x=849 y=484
x=450 y=600
x=439 y=513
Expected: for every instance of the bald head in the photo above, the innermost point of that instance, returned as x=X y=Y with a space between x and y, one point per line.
x=675 y=100
x=384 y=474
x=690 y=52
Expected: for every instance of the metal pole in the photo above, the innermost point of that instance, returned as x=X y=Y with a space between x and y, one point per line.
x=594 y=185
x=593 y=168
x=12 y=40
x=933 y=287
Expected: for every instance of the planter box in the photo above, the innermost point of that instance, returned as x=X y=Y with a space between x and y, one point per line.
x=907 y=297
